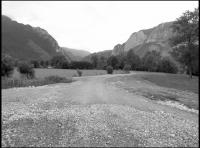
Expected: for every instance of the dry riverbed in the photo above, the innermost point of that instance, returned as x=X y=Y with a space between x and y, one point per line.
x=93 y=111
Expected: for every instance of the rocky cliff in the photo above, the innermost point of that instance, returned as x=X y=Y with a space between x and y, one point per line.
x=146 y=40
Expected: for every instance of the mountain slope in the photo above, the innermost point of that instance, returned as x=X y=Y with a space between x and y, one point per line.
x=74 y=54
x=25 y=42
x=105 y=54
x=146 y=40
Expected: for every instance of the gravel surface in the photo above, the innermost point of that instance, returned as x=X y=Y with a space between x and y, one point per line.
x=92 y=112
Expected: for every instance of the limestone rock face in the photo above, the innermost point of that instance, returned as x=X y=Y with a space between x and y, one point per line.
x=135 y=39
x=160 y=33
x=147 y=40
x=118 y=49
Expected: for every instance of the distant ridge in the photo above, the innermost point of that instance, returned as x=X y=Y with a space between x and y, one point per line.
x=74 y=54
x=25 y=42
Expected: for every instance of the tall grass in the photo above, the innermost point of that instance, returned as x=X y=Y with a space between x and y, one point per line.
x=22 y=82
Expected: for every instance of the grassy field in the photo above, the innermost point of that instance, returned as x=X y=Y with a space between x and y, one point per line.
x=22 y=82
x=48 y=76
x=42 y=72
x=176 y=81
x=169 y=87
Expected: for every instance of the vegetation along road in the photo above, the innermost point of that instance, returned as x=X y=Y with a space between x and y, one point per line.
x=99 y=111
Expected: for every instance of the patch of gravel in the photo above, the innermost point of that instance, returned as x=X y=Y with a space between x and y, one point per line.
x=98 y=125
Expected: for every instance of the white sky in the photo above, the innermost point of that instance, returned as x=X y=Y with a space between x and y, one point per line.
x=94 y=25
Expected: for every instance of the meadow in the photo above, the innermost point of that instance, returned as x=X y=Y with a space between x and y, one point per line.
x=48 y=76
x=163 y=87
x=176 y=81
x=68 y=73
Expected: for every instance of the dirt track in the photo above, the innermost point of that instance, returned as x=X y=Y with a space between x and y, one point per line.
x=92 y=112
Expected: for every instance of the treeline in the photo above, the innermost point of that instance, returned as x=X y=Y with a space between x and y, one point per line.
x=152 y=61
x=185 y=42
x=61 y=62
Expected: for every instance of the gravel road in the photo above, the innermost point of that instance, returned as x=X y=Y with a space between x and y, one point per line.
x=92 y=111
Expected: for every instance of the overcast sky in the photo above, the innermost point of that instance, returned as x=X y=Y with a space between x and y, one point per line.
x=94 y=25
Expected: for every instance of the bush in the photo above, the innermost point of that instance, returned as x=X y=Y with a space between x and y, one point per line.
x=127 y=68
x=7 y=66
x=109 y=69
x=79 y=72
x=27 y=70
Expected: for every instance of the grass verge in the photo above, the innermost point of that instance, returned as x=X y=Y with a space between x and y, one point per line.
x=176 y=81
x=19 y=82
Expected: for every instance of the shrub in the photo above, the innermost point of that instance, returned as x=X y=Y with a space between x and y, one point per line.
x=127 y=68
x=79 y=72
x=109 y=69
x=26 y=69
x=7 y=66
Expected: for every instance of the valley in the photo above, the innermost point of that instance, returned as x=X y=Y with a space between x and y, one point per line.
x=117 y=74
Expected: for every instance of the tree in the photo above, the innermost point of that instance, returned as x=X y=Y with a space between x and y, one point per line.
x=185 y=41
x=7 y=65
x=81 y=65
x=113 y=61
x=26 y=69
x=121 y=60
x=65 y=65
x=42 y=63
x=94 y=60
x=166 y=65
x=102 y=62
x=151 y=60
x=127 y=68
x=47 y=63
x=35 y=63
x=59 y=61
x=133 y=59
x=16 y=61
x=109 y=69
